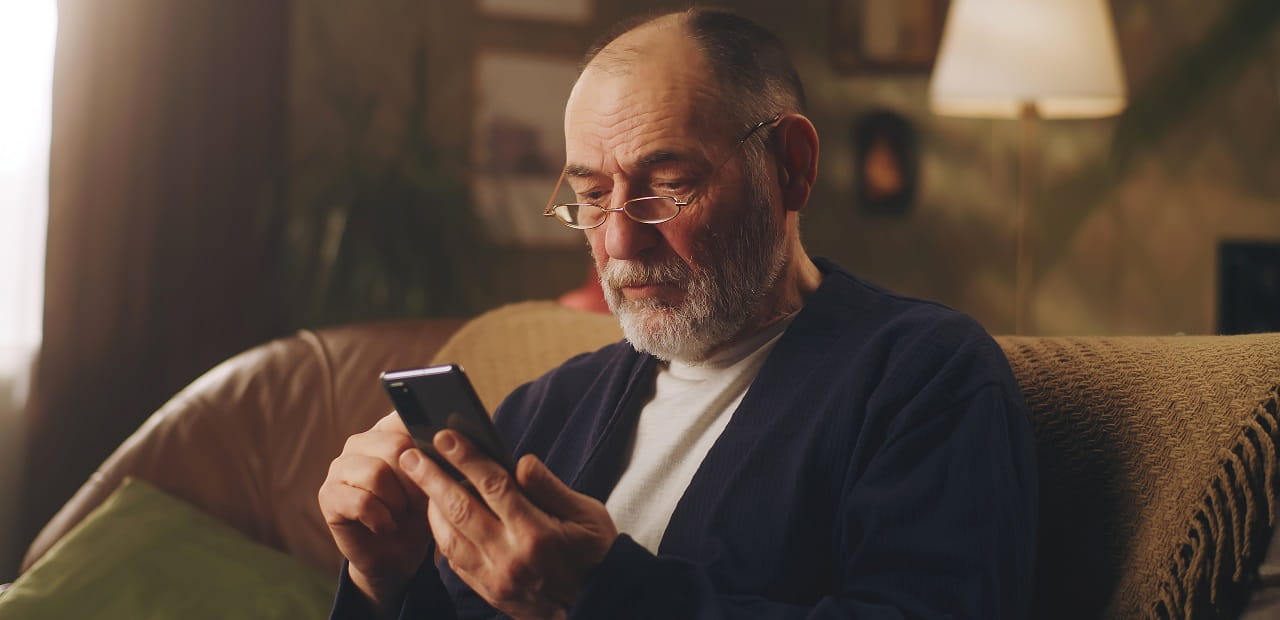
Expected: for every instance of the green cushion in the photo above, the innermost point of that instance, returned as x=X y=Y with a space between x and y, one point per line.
x=145 y=554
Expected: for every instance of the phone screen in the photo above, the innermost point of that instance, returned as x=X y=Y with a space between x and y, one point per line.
x=441 y=397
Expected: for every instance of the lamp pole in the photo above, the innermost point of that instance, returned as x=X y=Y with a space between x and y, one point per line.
x=1027 y=61
x=1028 y=182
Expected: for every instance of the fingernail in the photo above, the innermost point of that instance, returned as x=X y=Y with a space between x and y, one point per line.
x=445 y=441
x=410 y=461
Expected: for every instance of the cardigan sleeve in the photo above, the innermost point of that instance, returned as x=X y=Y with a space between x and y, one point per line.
x=425 y=597
x=940 y=523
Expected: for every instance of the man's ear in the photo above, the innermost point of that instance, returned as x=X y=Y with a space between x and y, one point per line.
x=797 y=144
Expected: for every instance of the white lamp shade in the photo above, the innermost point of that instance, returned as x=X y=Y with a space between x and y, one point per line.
x=998 y=55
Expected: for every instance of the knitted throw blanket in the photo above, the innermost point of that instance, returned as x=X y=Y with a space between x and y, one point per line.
x=1157 y=470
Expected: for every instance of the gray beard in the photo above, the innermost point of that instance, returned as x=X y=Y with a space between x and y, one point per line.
x=721 y=295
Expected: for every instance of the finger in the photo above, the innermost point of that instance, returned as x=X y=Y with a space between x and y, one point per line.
x=384 y=444
x=373 y=475
x=388 y=445
x=490 y=480
x=343 y=505
x=548 y=492
x=464 y=555
x=391 y=423
x=469 y=516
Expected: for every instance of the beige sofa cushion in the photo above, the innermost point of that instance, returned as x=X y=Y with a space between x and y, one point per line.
x=514 y=344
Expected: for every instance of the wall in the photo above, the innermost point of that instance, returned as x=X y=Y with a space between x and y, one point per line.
x=1118 y=250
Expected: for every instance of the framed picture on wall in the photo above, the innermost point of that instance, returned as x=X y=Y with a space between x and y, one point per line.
x=886 y=155
x=518 y=144
x=886 y=36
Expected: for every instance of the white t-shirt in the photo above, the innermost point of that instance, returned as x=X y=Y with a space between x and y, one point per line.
x=691 y=405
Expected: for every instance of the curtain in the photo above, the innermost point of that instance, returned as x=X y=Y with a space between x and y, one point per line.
x=167 y=150
x=26 y=66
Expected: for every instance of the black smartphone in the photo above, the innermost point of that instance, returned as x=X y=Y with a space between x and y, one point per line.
x=432 y=399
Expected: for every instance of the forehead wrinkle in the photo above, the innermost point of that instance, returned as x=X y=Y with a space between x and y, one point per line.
x=625 y=141
x=650 y=93
x=615 y=122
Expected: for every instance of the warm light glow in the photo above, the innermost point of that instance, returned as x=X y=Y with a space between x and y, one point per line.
x=997 y=55
x=27 y=30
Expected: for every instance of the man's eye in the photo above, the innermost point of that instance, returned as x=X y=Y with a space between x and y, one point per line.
x=591 y=196
x=670 y=187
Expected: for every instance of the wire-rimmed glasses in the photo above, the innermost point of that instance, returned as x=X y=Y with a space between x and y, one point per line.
x=645 y=209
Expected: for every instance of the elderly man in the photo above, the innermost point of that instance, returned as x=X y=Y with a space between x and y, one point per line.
x=775 y=437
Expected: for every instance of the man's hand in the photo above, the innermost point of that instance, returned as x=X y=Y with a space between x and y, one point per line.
x=376 y=514
x=529 y=546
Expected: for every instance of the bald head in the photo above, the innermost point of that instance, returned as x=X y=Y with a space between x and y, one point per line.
x=748 y=65
x=659 y=46
x=622 y=50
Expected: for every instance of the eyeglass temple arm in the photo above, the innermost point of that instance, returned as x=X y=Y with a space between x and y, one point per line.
x=776 y=117
x=750 y=132
x=551 y=202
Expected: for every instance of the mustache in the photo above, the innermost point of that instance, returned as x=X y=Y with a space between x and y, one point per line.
x=617 y=274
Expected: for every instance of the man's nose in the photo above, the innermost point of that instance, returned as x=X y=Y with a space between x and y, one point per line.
x=627 y=239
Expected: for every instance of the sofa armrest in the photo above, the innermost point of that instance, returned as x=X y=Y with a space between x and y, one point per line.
x=250 y=441
x=1158 y=470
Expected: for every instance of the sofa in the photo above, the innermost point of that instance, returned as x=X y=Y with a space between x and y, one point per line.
x=1157 y=455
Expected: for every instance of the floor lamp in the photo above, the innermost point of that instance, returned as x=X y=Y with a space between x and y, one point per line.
x=1028 y=61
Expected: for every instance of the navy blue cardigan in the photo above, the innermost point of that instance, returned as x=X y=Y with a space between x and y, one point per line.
x=881 y=465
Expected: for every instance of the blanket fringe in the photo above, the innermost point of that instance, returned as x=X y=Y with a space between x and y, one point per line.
x=1220 y=539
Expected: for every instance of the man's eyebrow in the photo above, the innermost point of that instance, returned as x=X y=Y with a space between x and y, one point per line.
x=579 y=170
x=655 y=158
x=649 y=160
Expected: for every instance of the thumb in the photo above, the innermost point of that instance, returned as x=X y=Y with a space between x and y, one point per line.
x=550 y=494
